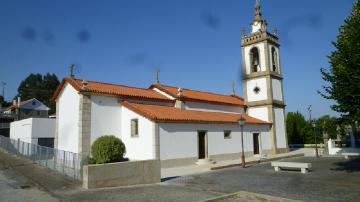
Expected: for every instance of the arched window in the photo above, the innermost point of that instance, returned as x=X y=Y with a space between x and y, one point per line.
x=274 y=59
x=254 y=59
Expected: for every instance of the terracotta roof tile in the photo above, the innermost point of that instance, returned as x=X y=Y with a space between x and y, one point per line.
x=194 y=95
x=112 y=89
x=172 y=114
x=14 y=106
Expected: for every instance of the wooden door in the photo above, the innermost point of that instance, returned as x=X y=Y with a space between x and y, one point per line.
x=256 y=143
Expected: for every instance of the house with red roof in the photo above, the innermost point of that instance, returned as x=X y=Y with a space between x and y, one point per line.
x=178 y=125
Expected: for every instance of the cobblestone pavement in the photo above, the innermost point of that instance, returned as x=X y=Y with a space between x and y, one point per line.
x=331 y=179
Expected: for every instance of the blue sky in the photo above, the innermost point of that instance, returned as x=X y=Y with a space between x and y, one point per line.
x=195 y=43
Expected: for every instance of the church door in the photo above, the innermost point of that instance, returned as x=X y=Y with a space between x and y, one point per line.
x=202 y=144
x=256 y=143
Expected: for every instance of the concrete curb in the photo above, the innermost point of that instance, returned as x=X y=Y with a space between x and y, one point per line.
x=257 y=161
x=249 y=196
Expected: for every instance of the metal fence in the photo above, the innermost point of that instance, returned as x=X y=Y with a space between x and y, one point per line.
x=64 y=162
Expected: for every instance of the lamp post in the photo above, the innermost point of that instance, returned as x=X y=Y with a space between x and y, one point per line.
x=316 y=148
x=242 y=123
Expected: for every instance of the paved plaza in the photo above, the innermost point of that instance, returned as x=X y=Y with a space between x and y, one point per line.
x=331 y=179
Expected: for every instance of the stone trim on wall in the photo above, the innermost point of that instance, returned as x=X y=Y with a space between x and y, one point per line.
x=273 y=129
x=156 y=141
x=85 y=126
x=270 y=74
x=56 y=135
x=282 y=150
x=275 y=103
x=259 y=37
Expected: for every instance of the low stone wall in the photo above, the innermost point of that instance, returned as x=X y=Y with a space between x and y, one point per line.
x=121 y=174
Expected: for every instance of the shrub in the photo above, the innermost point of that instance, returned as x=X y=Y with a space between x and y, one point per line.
x=107 y=149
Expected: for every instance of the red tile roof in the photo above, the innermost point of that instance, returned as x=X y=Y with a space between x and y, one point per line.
x=194 y=95
x=172 y=114
x=14 y=106
x=112 y=89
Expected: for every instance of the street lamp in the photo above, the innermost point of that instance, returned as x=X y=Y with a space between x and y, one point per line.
x=242 y=123
x=316 y=148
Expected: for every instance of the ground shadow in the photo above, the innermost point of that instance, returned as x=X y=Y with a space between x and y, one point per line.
x=351 y=165
x=168 y=178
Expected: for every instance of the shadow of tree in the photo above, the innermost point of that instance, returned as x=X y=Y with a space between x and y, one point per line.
x=351 y=165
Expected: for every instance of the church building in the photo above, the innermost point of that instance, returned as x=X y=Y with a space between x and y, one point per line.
x=177 y=125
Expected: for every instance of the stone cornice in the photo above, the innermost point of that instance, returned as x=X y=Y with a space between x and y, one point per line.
x=262 y=74
x=275 y=103
x=259 y=37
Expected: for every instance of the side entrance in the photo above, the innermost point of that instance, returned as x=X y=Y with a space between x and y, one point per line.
x=202 y=145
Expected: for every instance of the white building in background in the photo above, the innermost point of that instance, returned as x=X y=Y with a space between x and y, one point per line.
x=177 y=125
x=34 y=130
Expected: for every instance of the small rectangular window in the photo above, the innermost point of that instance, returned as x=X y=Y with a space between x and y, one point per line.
x=227 y=134
x=134 y=128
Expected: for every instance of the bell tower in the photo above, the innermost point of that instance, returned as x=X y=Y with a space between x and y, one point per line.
x=263 y=81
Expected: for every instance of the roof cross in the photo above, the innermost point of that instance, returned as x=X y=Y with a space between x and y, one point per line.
x=72 y=70
x=157 y=75
x=233 y=88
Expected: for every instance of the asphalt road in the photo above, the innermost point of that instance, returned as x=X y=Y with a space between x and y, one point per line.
x=15 y=187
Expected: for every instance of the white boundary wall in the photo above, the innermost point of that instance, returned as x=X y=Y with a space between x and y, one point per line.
x=29 y=130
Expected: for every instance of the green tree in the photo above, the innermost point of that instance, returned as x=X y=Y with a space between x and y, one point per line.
x=3 y=102
x=39 y=87
x=327 y=124
x=343 y=76
x=300 y=131
x=295 y=123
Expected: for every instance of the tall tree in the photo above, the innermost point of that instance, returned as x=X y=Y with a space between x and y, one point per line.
x=295 y=124
x=39 y=87
x=343 y=76
x=3 y=102
x=329 y=125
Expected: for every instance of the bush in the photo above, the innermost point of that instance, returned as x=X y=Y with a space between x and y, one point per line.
x=107 y=149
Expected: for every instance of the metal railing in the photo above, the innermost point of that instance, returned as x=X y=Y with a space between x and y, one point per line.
x=64 y=162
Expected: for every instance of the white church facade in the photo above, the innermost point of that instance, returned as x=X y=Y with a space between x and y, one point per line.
x=181 y=126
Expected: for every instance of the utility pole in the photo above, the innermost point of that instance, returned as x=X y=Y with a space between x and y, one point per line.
x=309 y=109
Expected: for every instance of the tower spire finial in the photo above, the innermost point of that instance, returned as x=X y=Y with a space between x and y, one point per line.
x=258 y=17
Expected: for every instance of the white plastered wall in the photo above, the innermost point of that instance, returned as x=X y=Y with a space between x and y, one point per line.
x=105 y=117
x=201 y=106
x=277 y=89
x=68 y=120
x=261 y=95
x=21 y=130
x=141 y=147
x=280 y=128
x=261 y=113
x=180 y=140
x=261 y=48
